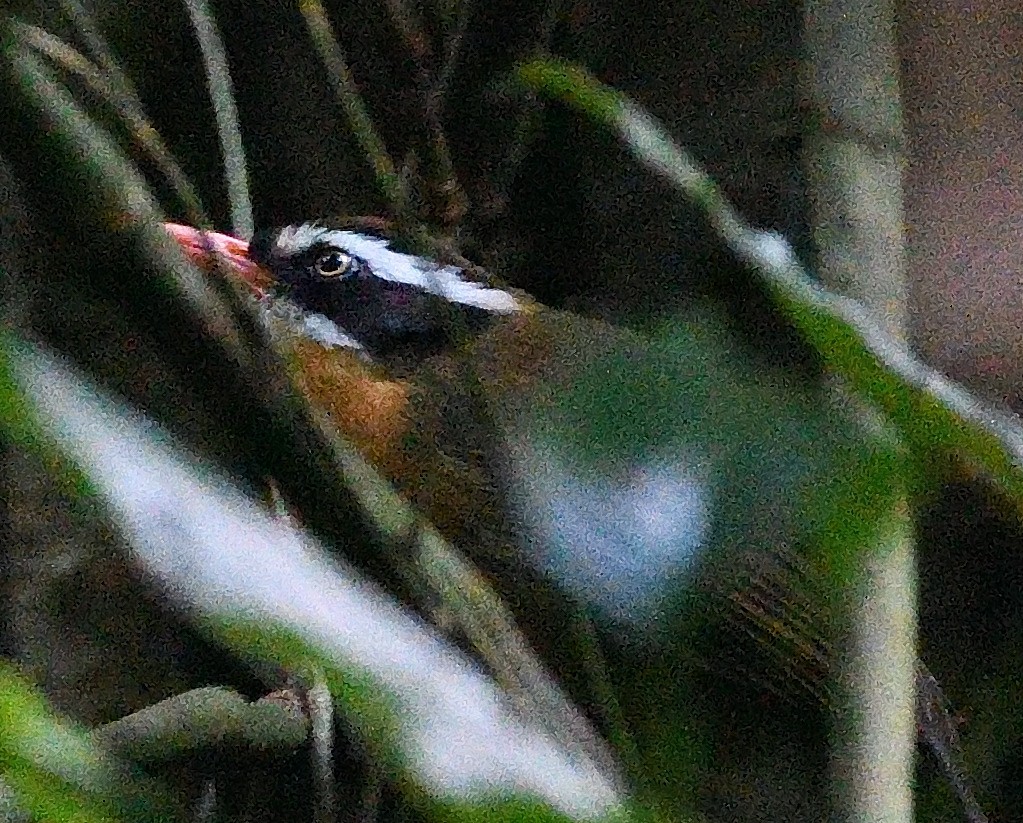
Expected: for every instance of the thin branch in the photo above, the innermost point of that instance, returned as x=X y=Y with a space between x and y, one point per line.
x=83 y=23
x=452 y=53
x=390 y=182
x=218 y=78
x=434 y=93
x=115 y=89
x=411 y=29
x=321 y=717
x=529 y=122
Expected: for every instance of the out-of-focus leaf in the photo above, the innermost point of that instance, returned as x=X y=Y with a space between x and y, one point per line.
x=843 y=512
x=271 y=593
x=672 y=485
x=637 y=456
x=938 y=419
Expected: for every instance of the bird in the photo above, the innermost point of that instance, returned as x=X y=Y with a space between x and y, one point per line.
x=455 y=387
x=368 y=323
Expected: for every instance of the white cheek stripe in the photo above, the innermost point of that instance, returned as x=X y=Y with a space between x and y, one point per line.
x=388 y=264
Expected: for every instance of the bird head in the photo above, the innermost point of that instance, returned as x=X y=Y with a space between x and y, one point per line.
x=355 y=288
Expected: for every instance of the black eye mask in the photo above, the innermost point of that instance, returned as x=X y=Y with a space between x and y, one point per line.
x=389 y=301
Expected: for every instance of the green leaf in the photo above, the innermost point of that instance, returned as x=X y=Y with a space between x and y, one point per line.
x=939 y=421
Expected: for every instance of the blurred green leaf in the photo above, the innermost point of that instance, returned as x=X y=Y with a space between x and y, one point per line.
x=674 y=486
x=271 y=594
x=940 y=421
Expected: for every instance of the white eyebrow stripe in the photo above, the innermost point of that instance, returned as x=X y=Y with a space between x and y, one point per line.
x=398 y=267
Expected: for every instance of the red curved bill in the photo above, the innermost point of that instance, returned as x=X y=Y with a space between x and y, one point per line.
x=203 y=247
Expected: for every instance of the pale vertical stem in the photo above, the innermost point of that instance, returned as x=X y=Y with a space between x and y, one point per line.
x=854 y=153
x=854 y=163
x=876 y=729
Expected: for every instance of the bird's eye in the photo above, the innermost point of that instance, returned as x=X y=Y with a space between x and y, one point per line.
x=333 y=264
